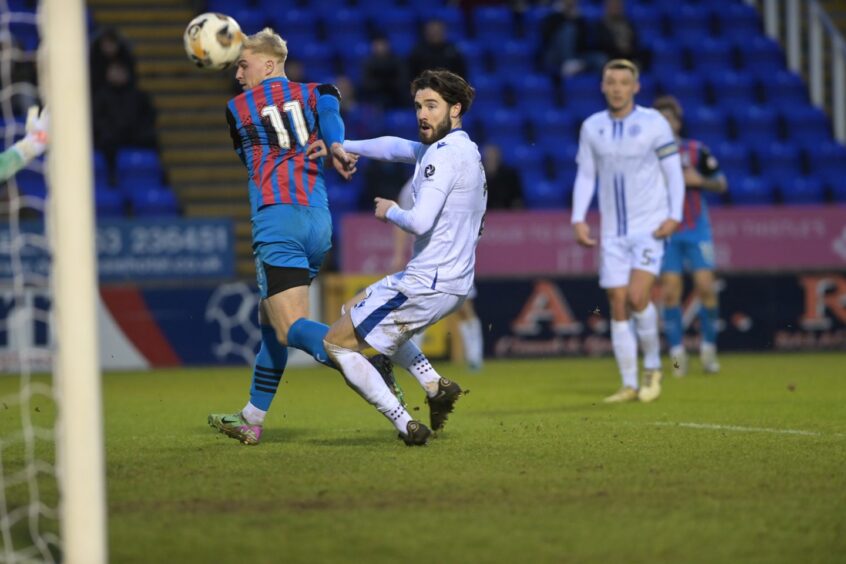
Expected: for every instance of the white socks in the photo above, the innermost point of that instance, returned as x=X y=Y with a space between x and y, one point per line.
x=646 y=324
x=410 y=357
x=625 y=351
x=364 y=379
x=253 y=415
x=471 y=336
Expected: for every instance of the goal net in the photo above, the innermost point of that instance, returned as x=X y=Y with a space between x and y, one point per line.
x=52 y=504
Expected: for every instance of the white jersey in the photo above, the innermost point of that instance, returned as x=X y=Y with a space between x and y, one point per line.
x=449 y=192
x=634 y=161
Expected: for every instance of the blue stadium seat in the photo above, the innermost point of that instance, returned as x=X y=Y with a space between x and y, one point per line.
x=402 y=43
x=157 y=201
x=582 y=86
x=452 y=16
x=734 y=160
x=524 y=157
x=738 y=20
x=756 y=125
x=545 y=194
x=297 y=27
x=802 y=190
x=710 y=55
x=250 y=19
x=553 y=124
x=513 y=56
x=227 y=6
x=708 y=124
x=352 y=58
x=779 y=160
x=730 y=89
x=401 y=123
x=318 y=60
x=827 y=157
x=490 y=90
x=476 y=58
x=647 y=21
x=783 y=88
x=760 y=52
x=689 y=21
x=31 y=184
x=752 y=190
x=836 y=183
x=346 y=25
x=688 y=87
x=534 y=92
x=563 y=156
x=108 y=202
x=101 y=168
x=807 y=124
x=505 y=128
x=667 y=55
x=648 y=89
x=532 y=19
x=584 y=107
x=321 y=9
x=26 y=34
x=138 y=163
x=396 y=19
x=493 y=22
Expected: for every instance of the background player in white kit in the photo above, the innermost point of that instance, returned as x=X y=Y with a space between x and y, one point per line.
x=631 y=154
x=450 y=196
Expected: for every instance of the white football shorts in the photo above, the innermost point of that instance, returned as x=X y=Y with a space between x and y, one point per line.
x=393 y=310
x=618 y=256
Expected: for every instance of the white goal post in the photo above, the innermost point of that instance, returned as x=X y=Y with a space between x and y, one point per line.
x=64 y=74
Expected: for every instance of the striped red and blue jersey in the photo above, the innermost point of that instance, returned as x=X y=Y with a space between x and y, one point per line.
x=271 y=126
x=697 y=155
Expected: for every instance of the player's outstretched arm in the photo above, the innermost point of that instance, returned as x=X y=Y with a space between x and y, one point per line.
x=394 y=149
x=31 y=146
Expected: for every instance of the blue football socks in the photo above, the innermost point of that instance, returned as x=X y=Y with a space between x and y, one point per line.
x=673 y=328
x=308 y=335
x=708 y=324
x=268 y=369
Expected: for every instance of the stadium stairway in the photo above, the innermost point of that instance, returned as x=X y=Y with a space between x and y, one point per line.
x=197 y=154
x=836 y=10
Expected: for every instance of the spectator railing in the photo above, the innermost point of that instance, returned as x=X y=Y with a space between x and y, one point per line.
x=806 y=32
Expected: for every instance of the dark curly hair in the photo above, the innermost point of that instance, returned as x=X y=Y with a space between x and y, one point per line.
x=450 y=86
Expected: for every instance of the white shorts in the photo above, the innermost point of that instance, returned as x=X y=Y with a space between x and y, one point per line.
x=393 y=310
x=620 y=255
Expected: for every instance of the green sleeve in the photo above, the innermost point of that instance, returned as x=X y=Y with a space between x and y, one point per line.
x=10 y=163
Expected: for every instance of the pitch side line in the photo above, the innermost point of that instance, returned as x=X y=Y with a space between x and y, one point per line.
x=716 y=427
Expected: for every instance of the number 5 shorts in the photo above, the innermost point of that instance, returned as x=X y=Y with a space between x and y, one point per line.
x=618 y=256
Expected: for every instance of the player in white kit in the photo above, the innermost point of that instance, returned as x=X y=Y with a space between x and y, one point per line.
x=450 y=196
x=469 y=324
x=631 y=154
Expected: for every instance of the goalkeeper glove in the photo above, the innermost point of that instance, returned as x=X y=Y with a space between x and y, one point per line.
x=34 y=142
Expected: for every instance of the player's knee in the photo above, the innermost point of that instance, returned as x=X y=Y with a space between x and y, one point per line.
x=637 y=301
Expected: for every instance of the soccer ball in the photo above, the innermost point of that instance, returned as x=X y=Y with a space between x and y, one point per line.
x=213 y=41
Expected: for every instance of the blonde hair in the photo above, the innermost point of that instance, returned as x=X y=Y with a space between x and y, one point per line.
x=621 y=64
x=267 y=42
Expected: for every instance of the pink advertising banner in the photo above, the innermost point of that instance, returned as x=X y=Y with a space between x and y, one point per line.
x=523 y=243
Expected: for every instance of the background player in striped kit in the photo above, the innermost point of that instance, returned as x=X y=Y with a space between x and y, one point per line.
x=692 y=246
x=630 y=153
x=272 y=124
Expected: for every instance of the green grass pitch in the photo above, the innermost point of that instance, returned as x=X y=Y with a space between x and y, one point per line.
x=745 y=466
